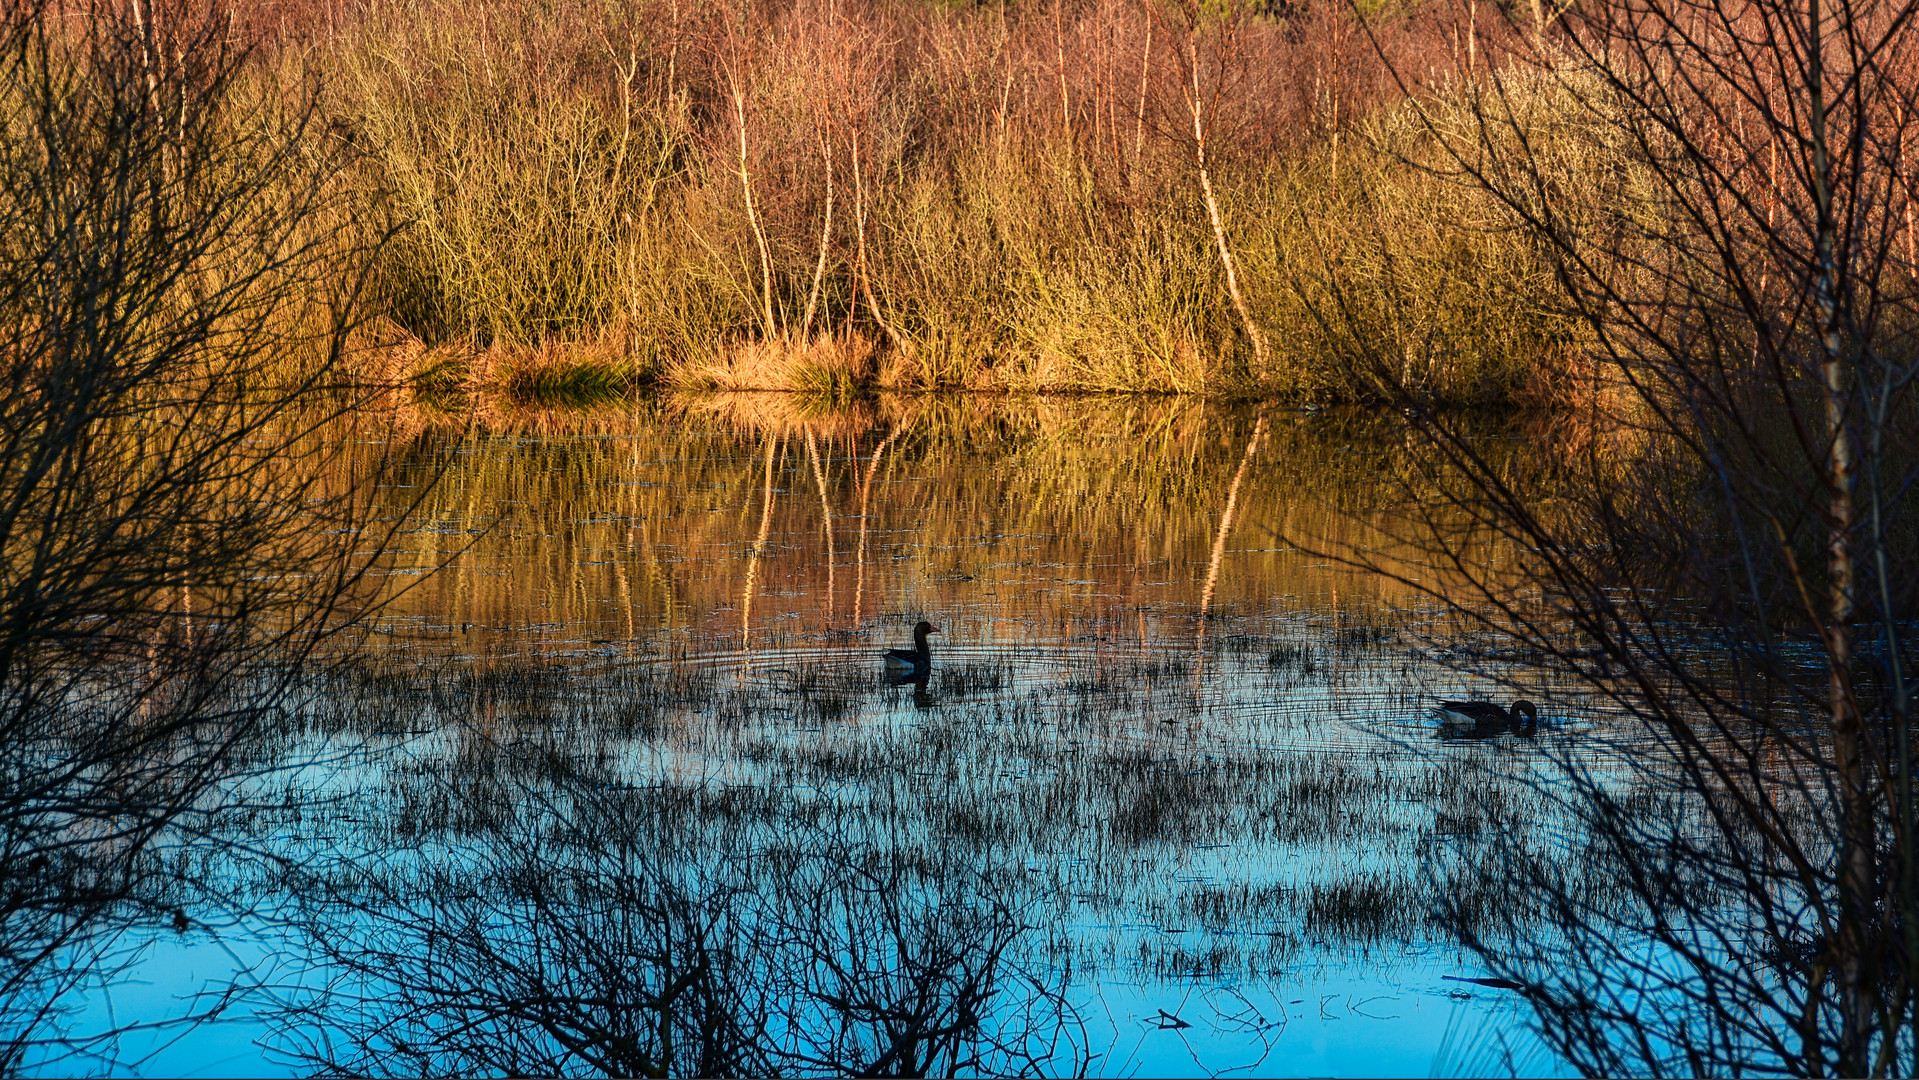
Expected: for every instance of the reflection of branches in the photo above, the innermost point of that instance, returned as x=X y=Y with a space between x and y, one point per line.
x=826 y=521
x=866 y=494
x=592 y=933
x=1219 y=537
x=774 y=446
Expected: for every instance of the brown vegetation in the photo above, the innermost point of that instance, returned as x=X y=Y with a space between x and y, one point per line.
x=833 y=194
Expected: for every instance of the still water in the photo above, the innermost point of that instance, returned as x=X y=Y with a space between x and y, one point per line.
x=624 y=785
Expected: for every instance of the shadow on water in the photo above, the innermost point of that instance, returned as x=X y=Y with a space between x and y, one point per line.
x=590 y=933
x=626 y=789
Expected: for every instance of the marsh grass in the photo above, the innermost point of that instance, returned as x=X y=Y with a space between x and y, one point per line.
x=1073 y=778
x=827 y=369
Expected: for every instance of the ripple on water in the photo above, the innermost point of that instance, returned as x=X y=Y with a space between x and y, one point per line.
x=1195 y=762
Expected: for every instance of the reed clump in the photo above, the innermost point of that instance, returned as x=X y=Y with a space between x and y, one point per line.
x=832 y=368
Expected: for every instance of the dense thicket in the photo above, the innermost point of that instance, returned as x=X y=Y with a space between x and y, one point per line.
x=1096 y=195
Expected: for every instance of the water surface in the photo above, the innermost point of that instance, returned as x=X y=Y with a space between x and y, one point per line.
x=1169 y=802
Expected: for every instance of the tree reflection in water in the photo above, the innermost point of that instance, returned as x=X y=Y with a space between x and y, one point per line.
x=582 y=935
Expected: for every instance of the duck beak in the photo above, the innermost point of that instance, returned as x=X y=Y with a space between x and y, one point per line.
x=933 y=630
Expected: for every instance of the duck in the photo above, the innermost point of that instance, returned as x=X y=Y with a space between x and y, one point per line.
x=917 y=660
x=1485 y=718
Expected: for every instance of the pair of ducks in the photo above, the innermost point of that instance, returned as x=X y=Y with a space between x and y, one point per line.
x=1482 y=717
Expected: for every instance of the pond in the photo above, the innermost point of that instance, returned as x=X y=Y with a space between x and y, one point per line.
x=625 y=785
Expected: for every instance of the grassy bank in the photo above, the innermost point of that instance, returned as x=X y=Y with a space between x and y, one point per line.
x=897 y=194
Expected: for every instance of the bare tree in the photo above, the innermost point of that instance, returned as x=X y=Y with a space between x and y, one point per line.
x=178 y=525
x=1211 y=54
x=1725 y=547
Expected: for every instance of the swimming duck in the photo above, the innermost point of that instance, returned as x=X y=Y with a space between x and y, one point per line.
x=1486 y=718
x=917 y=659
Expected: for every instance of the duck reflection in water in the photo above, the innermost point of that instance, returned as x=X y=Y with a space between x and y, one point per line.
x=1485 y=720
x=917 y=679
